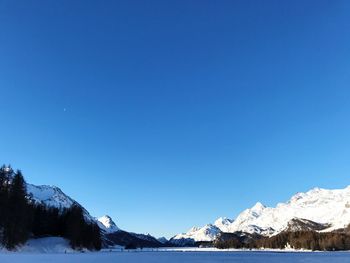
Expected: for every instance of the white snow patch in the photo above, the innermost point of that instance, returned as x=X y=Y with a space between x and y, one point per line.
x=44 y=245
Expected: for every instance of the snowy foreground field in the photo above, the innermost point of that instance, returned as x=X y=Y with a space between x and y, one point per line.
x=182 y=257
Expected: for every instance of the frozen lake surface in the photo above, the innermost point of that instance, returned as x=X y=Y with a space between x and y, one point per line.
x=178 y=257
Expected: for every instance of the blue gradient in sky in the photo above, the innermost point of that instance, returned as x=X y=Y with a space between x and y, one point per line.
x=169 y=114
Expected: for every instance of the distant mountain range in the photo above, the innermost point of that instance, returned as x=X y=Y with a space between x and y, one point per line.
x=317 y=210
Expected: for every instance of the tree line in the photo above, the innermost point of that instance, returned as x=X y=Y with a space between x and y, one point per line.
x=21 y=218
x=310 y=240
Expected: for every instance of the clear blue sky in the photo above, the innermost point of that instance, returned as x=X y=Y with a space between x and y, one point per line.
x=169 y=114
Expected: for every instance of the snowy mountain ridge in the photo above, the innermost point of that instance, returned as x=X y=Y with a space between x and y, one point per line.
x=316 y=207
x=50 y=196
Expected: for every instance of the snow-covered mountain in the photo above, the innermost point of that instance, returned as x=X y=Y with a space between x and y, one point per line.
x=107 y=224
x=207 y=233
x=50 y=196
x=318 y=209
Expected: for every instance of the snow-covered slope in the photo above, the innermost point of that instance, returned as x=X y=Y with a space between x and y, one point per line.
x=223 y=223
x=246 y=221
x=50 y=196
x=321 y=206
x=42 y=245
x=47 y=245
x=107 y=224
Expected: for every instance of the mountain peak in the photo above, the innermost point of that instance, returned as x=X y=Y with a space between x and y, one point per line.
x=222 y=221
x=258 y=207
x=108 y=224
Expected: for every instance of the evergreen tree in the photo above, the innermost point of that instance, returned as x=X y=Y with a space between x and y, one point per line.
x=3 y=195
x=17 y=221
x=75 y=226
x=81 y=234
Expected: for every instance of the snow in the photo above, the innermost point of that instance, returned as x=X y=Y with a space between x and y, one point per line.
x=223 y=223
x=206 y=233
x=44 y=245
x=47 y=245
x=175 y=257
x=50 y=196
x=319 y=205
x=106 y=223
x=7 y=169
